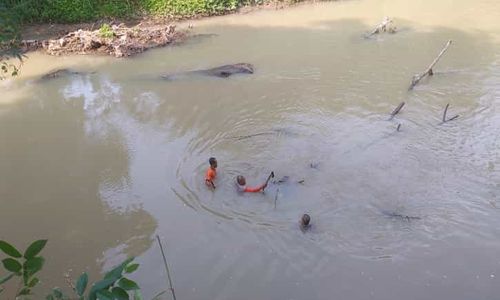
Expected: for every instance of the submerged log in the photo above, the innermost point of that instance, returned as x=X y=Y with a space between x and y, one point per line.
x=428 y=72
x=385 y=26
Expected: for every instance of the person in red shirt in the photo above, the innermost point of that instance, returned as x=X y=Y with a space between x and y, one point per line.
x=242 y=188
x=211 y=173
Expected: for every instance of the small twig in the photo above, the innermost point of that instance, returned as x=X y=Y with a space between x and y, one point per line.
x=445 y=111
x=444 y=115
x=396 y=110
x=428 y=72
x=166 y=268
x=399 y=127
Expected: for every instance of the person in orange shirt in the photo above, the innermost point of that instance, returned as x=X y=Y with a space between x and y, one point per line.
x=211 y=173
x=242 y=188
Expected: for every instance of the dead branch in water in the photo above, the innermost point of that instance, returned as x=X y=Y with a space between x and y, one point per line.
x=396 y=110
x=445 y=111
x=428 y=72
x=384 y=26
x=399 y=127
x=444 y=114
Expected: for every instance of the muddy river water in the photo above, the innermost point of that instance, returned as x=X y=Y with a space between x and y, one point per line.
x=99 y=163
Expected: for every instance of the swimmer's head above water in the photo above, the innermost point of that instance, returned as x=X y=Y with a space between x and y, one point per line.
x=213 y=162
x=240 y=179
x=305 y=221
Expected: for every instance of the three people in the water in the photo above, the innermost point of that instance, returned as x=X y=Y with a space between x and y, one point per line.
x=241 y=186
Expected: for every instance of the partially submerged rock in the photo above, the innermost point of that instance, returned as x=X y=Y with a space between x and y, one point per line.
x=59 y=73
x=222 y=71
x=120 y=41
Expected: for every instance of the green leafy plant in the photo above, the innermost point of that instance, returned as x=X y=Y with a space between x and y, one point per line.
x=106 y=31
x=114 y=286
x=25 y=266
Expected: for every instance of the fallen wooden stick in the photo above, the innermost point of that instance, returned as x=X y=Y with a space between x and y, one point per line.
x=382 y=27
x=399 y=127
x=445 y=111
x=428 y=72
x=444 y=114
x=396 y=110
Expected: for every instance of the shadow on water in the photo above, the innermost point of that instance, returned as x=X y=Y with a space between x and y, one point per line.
x=148 y=143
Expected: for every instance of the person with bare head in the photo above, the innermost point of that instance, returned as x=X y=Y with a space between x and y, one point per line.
x=211 y=173
x=241 y=186
x=305 y=221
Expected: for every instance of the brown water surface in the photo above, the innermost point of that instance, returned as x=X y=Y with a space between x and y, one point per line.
x=100 y=162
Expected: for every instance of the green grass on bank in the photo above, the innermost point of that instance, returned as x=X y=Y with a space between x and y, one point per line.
x=73 y=11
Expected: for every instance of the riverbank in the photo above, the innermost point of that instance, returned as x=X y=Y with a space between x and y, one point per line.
x=123 y=37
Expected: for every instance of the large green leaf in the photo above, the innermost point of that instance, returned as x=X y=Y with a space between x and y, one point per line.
x=34 y=249
x=105 y=295
x=100 y=285
x=81 y=284
x=9 y=249
x=138 y=295
x=33 y=282
x=119 y=293
x=33 y=265
x=158 y=295
x=131 y=268
x=24 y=291
x=6 y=278
x=117 y=271
x=12 y=265
x=127 y=284
x=57 y=293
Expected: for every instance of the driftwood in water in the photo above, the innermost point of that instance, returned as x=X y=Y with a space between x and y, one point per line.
x=399 y=127
x=396 y=110
x=428 y=72
x=385 y=26
x=444 y=114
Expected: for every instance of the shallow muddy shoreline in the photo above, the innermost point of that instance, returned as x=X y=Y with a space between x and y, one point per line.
x=59 y=39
